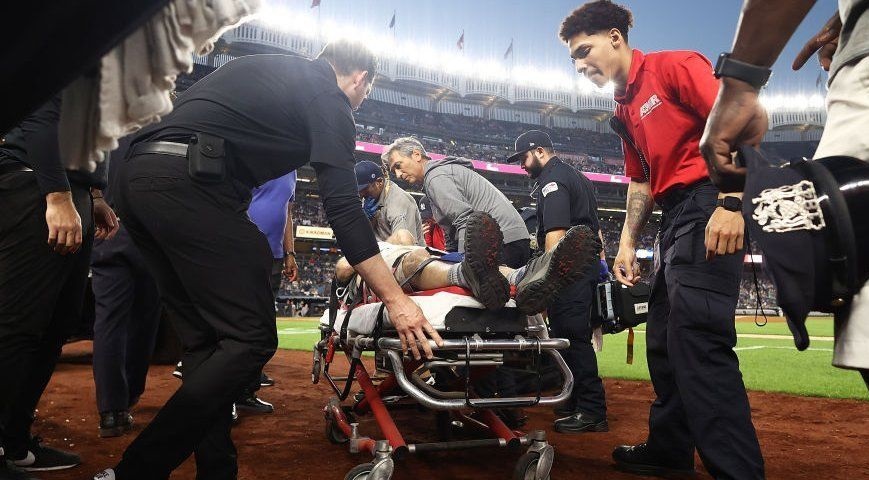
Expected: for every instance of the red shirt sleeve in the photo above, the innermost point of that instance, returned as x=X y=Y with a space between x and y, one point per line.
x=692 y=81
x=633 y=167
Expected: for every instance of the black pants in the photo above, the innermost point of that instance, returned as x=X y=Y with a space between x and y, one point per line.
x=41 y=295
x=212 y=266
x=127 y=308
x=701 y=400
x=275 y=279
x=570 y=318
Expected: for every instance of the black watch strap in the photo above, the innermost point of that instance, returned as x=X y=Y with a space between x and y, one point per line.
x=733 y=204
x=752 y=74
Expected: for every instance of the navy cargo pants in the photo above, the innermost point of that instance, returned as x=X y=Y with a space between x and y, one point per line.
x=701 y=401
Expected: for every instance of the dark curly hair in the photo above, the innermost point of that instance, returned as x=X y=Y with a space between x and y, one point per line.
x=595 y=17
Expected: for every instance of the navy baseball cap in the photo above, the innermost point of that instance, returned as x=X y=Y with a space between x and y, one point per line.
x=367 y=172
x=529 y=141
x=808 y=217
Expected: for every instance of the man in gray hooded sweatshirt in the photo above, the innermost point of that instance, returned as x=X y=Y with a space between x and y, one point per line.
x=455 y=191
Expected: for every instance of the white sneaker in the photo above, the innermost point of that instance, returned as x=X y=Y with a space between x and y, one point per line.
x=107 y=474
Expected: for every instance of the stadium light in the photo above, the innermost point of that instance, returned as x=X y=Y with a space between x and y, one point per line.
x=792 y=103
x=305 y=24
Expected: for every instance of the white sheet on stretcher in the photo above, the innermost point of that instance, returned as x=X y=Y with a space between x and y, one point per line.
x=434 y=307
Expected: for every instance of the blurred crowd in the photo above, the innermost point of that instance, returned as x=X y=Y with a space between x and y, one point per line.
x=748 y=291
x=315 y=274
x=316 y=269
x=480 y=139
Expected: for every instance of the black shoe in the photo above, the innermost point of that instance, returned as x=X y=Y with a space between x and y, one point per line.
x=640 y=460
x=40 y=458
x=514 y=418
x=581 y=423
x=115 y=424
x=265 y=380
x=483 y=241
x=177 y=372
x=564 y=410
x=253 y=404
x=545 y=276
x=11 y=472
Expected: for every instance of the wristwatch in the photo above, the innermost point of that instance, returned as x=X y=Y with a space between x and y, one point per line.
x=733 y=204
x=751 y=74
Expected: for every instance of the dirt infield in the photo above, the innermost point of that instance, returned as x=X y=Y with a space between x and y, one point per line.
x=800 y=437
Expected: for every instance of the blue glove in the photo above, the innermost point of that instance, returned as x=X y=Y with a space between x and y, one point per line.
x=603 y=272
x=370 y=206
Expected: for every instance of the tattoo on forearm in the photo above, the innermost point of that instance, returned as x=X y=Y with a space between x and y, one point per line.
x=639 y=208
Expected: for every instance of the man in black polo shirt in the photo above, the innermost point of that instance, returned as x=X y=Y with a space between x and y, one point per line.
x=252 y=120
x=564 y=199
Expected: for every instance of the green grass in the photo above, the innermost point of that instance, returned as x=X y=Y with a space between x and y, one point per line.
x=817 y=327
x=767 y=364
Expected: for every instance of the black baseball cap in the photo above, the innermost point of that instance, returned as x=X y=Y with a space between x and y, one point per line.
x=529 y=141
x=812 y=210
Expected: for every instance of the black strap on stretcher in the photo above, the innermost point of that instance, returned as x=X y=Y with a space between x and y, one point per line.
x=378 y=327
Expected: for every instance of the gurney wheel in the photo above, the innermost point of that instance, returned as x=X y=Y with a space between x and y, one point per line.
x=379 y=470
x=334 y=433
x=359 y=472
x=526 y=467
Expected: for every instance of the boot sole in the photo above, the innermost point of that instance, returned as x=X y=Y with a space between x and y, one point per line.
x=114 y=432
x=483 y=239
x=575 y=254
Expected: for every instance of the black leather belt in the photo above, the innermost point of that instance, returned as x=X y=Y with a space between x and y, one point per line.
x=14 y=167
x=162 y=148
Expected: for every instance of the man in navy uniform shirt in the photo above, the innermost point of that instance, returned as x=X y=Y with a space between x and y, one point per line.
x=566 y=198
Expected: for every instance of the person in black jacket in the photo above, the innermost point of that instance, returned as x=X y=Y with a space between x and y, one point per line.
x=254 y=119
x=47 y=229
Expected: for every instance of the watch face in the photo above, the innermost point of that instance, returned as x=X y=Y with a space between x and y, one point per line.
x=732 y=203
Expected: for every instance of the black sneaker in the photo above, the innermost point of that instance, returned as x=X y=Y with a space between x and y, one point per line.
x=177 y=372
x=483 y=241
x=265 y=380
x=253 y=404
x=581 y=423
x=107 y=474
x=115 y=424
x=548 y=274
x=40 y=458
x=640 y=460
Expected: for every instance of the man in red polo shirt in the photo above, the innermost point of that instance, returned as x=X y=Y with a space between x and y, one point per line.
x=663 y=100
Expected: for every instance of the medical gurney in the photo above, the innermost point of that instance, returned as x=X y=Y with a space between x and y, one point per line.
x=475 y=341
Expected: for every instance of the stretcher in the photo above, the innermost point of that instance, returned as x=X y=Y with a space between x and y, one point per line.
x=476 y=341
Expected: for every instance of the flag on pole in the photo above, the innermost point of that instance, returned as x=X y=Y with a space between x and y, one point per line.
x=392 y=22
x=509 y=52
x=460 y=44
x=315 y=3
